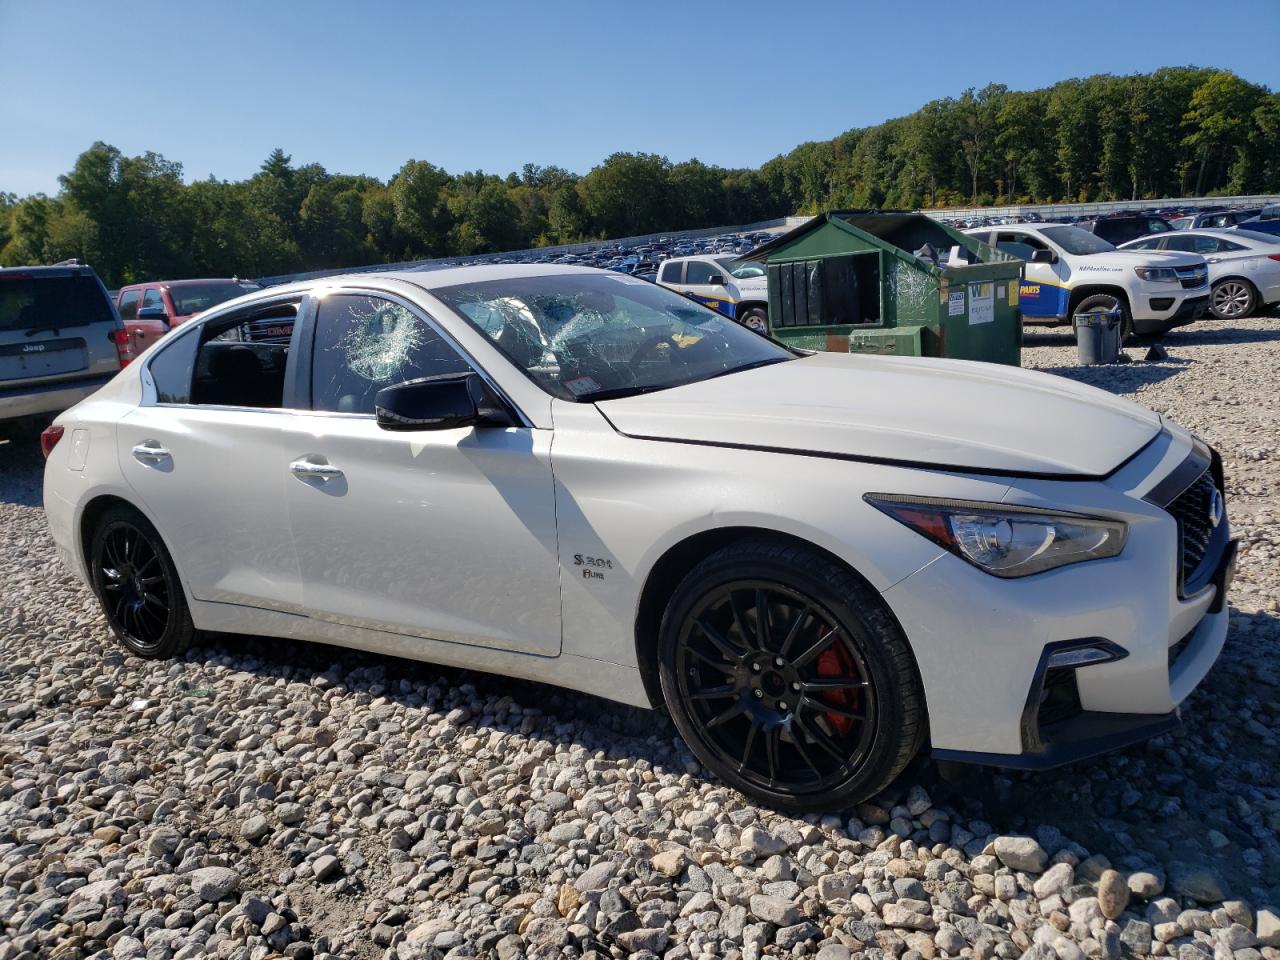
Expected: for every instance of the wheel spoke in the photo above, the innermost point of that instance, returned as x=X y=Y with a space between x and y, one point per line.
x=794 y=632
x=748 y=743
x=720 y=642
x=771 y=738
x=804 y=754
x=112 y=549
x=762 y=620
x=155 y=601
x=820 y=706
x=821 y=740
x=714 y=664
x=833 y=683
x=714 y=693
x=814 y=648
x=733 y=710
x=737 y=620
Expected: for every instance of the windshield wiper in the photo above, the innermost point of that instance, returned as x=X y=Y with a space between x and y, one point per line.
x=52 y=327
x=617 y=393
x=750 y=366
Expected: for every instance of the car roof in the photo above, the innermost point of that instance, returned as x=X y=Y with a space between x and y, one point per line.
x=60 y=270
x=183 y=283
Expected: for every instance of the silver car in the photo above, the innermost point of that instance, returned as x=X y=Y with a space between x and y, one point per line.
x=60 y=340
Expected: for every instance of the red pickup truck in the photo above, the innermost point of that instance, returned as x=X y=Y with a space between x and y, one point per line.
x=149 y=310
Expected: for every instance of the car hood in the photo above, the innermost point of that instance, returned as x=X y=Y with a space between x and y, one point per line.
x=1140 y=258
x=947 y=414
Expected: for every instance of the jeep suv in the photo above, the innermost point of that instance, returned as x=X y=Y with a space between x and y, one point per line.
x=60 y=340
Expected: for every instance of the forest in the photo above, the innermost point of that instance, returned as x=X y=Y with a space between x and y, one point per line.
x=1180 y=131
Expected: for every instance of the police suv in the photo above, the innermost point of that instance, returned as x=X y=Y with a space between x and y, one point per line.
x=1071 y=271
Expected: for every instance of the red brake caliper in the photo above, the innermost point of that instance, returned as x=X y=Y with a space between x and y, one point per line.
x=836 y=662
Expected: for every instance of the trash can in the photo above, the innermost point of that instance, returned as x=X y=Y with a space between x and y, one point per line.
x=1097 y=337
x=892 y=283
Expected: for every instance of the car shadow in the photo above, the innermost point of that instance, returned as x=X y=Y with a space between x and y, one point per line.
x=21 y=470
x=1122 y=378
x=1173 y=801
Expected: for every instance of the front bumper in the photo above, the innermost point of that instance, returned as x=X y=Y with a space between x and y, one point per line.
x=982 y=643
x=1189 y=310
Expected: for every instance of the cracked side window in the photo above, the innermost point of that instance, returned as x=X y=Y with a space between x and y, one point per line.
x=366 y=343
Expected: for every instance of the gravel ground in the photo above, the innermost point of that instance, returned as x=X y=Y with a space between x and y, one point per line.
x=274 y=799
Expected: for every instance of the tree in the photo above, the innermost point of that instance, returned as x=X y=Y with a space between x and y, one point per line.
x=420 y=215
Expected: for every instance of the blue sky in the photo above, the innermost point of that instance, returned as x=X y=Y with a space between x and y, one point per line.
x=362 y=87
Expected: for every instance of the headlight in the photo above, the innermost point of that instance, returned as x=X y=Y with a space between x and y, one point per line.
x=1005 y=540
x=1158 y=274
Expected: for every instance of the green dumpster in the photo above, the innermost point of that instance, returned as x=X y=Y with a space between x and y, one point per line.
x=892 y=283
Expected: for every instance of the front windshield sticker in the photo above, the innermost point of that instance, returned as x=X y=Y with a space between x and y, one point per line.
x=581 y=385
x=380 y=342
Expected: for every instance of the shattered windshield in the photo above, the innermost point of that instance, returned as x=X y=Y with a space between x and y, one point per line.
x=594 y=336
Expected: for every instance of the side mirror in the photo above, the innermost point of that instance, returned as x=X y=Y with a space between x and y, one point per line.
x=440 y=403
x=1044 y=256
x=153 y=313
x=716 y=280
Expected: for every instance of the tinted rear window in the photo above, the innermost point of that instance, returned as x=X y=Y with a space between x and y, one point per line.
x=194 y=297
x=34 y=303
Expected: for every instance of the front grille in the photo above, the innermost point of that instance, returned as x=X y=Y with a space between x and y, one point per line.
x=1193 y=509
x=1192 y=277
x=271 y=330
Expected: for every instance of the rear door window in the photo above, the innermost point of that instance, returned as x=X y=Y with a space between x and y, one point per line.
x=699 y=271
x=35 y=304
x=129 y=305
x=365 y=343
x=671 y=271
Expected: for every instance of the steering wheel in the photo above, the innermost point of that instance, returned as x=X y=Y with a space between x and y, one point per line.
x=648 y=346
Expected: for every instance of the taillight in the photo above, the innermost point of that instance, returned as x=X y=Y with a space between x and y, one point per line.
x=49 y=438
x=124 y=349
x=1273 y=256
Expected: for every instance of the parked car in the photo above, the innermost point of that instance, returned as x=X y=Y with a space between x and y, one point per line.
x=1070 y=271
x=1125 y=227
x=1268 y=221
x=60 y=340
x=581 y=478
x=150 y=310
x=1244 y=267
x=1214 y=219
x=738 y=290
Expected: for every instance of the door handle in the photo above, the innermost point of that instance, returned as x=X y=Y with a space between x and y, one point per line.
x=306 y=470
x=151 y=451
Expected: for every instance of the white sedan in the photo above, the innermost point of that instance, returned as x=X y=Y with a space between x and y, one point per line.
x=1244 y=266
x=820 y=564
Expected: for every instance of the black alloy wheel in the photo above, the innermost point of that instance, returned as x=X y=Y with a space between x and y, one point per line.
x=784 y=688
x=138 y=586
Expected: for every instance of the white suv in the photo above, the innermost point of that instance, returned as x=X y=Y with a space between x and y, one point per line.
x=1070 y=271
x=738 y=290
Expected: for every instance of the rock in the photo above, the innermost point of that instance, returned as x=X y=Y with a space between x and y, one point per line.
x=670 y=863
x=1113 y=894
x=1021 y=853
x=1137 y=936
x=163 y=841
x=1198 y=883
x=908 y=914
x=837 y=886
x=596 y=877
x=1144 y=884
x=833 y=951
x=1055 y=880
x=651 y=939
x=949 y=940
x=290 y=813
x=255 y=828
x=774 y=910
x=788 y=937
x=1267 y=927
x=761 y=842
x=568 y=900
x=213 y=883
x=326 y=867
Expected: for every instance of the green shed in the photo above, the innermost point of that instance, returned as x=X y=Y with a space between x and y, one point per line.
x=899 y=283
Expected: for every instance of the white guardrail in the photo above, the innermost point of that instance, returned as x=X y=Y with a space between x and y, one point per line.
x=1084 y=209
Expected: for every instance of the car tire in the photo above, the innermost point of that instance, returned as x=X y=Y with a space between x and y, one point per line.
x=756 y=319
x=137 y=584
x=1233 y=298
x=821 y=709
x=1105 y=301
